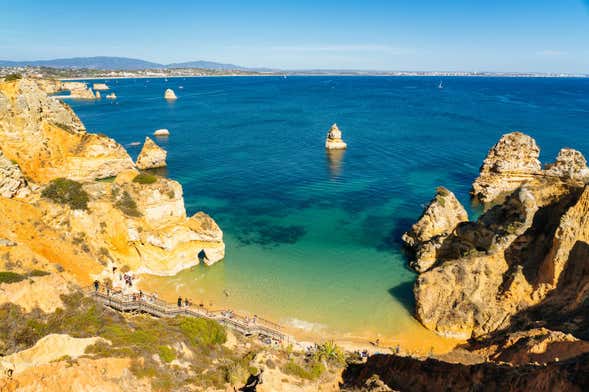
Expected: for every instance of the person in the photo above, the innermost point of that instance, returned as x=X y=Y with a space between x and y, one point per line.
x=255 y=319
x=96 y=285
x=140 y=294
x=186 y=302
x=179 y=302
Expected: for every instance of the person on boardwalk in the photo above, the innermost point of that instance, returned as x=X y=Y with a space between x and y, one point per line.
x=96 y=285
x=179 y=302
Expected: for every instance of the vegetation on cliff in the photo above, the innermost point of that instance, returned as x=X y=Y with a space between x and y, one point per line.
x=64 y=191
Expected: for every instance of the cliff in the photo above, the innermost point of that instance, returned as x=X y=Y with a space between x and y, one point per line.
x=82 y=224
x=513 y=257
x=46 y=139
x=411 y=374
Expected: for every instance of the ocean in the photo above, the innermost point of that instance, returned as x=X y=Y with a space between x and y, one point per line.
x=313 y=238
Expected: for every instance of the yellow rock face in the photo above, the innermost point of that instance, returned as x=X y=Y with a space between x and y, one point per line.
x=47 y=140
x=142 y=226
x=151 y=156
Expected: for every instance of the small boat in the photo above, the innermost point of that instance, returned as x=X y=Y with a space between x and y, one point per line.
x=441 y=85
x=284 y=76
x=181 y=87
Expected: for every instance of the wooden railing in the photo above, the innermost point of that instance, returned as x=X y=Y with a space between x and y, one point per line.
x=267 y=330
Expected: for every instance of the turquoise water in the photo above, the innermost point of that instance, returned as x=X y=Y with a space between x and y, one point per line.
x=313 y=238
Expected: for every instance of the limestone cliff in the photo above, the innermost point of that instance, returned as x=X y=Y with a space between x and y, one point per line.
x=134 y=221
x=438 y=221
x=12 y=181
x=514 y=255
x=78 y=90
x=510 y=163
x=47 y=140
x=151 y=156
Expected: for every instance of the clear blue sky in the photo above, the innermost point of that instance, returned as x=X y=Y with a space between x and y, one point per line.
x=493 y=35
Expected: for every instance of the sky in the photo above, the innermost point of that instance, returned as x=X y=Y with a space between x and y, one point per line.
x=445 y=35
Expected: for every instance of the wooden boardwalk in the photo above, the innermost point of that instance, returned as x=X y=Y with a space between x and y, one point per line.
x=266 y=330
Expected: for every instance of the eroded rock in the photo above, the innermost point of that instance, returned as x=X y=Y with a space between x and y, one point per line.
x=151 y=156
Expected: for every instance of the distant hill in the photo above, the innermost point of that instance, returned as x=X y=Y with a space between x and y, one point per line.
x=204 y=64
x=116 y=63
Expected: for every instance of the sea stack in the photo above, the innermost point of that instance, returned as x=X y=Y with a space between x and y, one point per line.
x=152 y=156
x=161 y=133
x=98 y=95
x=100 y=86
x=111 y=96
x=334 y=139
x=169 y=94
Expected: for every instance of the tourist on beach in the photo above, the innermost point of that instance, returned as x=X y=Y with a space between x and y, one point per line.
x=96 y=285
x=179 y=302
x=255 y=319
x=140 y=294
x=186 y=302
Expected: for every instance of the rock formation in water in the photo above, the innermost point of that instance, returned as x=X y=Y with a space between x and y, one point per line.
x=161 y=133
x=78 y=90
x=98 y=95
x=100 y=86
x=137 y=222
x=169 y=94
x=334 y=139
x=437 y=222
x=513 y=257
x=151 y=156
x=111 y=96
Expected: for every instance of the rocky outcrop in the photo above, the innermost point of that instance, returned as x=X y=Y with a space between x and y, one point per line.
x=510 y=163
x=141 y=225
x=42 y=292
x=170 y=94
x=161 y=133
x=111 y=96
x=412 y=374
x=569 y=164
x=48 y=349
x=12 y=181
x=151 y=156
x=47 y=140
x=98 y=95
x=334 y=139
x=514 y=255
x=78 y=90
x=438 y=221
x=100 y=86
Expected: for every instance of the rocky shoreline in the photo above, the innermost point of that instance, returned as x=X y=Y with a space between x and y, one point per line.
x=514 y=283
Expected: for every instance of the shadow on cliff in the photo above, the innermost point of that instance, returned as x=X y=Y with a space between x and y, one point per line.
x=411 y=374
x=404 y=294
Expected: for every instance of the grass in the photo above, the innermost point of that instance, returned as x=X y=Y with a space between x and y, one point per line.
x=65 y=191
x=145 y=178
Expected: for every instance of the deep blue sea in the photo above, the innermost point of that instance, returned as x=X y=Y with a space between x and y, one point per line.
x=313 y=239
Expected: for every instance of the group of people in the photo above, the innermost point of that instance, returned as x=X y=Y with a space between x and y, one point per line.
x=186 y=302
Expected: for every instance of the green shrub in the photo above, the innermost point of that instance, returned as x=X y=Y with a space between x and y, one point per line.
x=64 y=191
x=37 y=272
x=126 y=204
x=12 y=77
x=166 y=353
x=10 y=277
x=145 y=178
x=312 y=371
x=201 y=331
